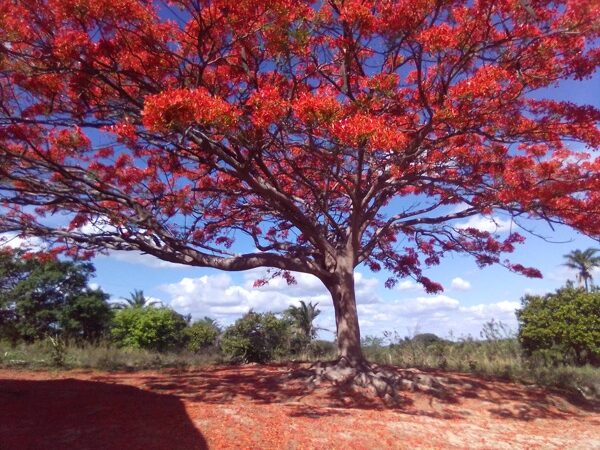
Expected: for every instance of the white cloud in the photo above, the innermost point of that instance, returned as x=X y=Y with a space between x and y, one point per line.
x=440 y=314
x=137 y=258
x=410 y=285
x=460 y=284
x=219 y=296
x=14 y=241
x=562 y=274
x=97 y=226
x=484 y=223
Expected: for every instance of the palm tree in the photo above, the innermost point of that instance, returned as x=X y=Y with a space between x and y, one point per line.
x=136 y=299
x=584 y=263
x=303 y=317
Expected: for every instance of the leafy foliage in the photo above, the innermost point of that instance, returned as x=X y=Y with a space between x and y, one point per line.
x=584 y=262
x=136 y=299
x=561 y=326
x=301 y=318
x=295 y=125
x=426 y=338
x=202 y=334
x=157 y=329
x=41 y=297
x=256 y=337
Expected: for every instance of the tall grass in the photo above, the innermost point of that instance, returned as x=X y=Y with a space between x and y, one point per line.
x=497 y=357
x=104 y=356
x=492 y=358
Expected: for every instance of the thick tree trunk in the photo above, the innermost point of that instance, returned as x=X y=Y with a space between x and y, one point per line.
x=346 y=317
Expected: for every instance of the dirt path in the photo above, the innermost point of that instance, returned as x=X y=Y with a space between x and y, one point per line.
x=263 y=407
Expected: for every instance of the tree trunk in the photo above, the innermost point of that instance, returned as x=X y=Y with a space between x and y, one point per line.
x=346 y=317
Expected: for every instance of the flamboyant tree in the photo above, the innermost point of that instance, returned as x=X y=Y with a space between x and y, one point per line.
x=323 y=134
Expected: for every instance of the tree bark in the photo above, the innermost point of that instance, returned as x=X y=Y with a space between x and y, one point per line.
x=342 y=292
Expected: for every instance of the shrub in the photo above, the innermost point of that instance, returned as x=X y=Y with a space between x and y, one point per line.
x=202 y=334
x=100 y=355
x=256 y=338
x=301 y=319
x=158 y=329
x=561 y=327
x=320 y=349
x=426 y=339
x=40 y=298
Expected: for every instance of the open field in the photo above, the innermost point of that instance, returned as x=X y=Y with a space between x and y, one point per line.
x=270 y=407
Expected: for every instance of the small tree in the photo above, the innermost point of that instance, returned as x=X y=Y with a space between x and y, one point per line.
x=256 y=338
x=564 y=325
x=157 y=329
x=202 y=334
x=136 y=299
x=584 y=262
x=87 y=316
x=41 y=297
x=330 y=134
x=426 y=339
x=302 y=318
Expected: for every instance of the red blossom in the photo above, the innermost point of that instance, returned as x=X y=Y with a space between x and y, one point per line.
x=357 y=132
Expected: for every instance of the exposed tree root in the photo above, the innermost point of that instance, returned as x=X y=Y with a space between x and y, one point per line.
x=383 y=382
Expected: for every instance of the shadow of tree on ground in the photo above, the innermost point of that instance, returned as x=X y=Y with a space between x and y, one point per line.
x=442 y=395
x=76 y=414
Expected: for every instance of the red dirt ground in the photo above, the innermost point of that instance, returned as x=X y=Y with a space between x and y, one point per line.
x=264 y=407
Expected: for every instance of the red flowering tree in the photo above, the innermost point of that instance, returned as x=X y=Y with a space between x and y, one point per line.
x=324 y=134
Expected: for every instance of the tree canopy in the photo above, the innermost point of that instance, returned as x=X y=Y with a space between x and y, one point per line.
x=40 y=298
x=562 y=326
x=323 y=135
x=584 y=262
x=136 y=299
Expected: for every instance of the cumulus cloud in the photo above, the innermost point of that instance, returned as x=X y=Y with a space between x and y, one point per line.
x=563 y=274
x=219 y=296
x=460 y=284
x=98 y=226
x=410 y=285
x=484 y=223
x=14 y=241
x=222 y=297
x=138 y=258
x=439 y=314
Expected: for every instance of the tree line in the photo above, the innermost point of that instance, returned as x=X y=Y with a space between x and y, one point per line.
x=330 y=135
x=53 y=298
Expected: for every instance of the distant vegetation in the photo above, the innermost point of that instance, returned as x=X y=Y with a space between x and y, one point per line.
x=42 y=298
x=50 y=317
x=159 y=329
x=562 y=327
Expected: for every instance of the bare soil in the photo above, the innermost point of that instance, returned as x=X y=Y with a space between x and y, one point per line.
x=273 y=407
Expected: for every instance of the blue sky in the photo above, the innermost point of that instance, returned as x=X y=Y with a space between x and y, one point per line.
x=472 y=296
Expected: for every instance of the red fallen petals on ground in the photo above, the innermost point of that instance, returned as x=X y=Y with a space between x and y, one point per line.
x=268 y=407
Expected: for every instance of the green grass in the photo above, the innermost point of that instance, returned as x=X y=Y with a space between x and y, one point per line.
x=501 y=358
x=498 y=358
x=104 y=356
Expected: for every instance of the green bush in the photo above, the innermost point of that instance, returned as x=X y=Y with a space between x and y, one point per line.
x=202 y=334
x=40 y=298
x=561 y=327
x=256 y=338
x=101 y=355
x=320 y=349
x=426 y=339
x=159 y=329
